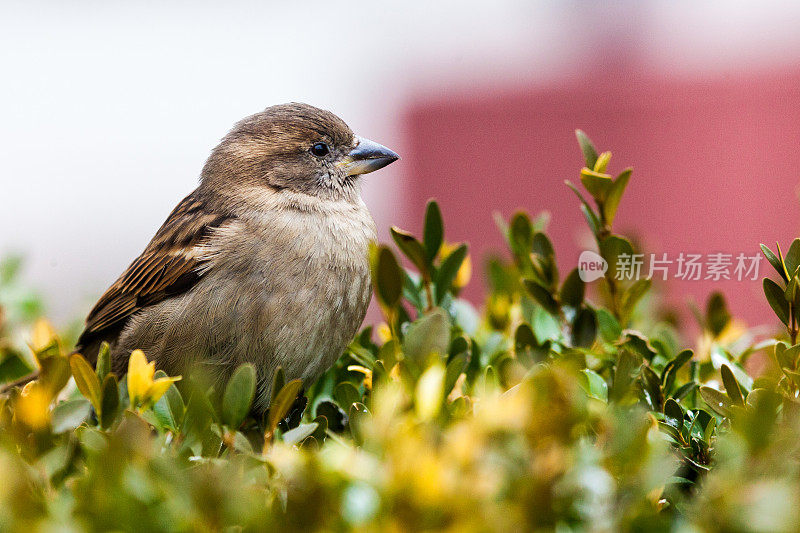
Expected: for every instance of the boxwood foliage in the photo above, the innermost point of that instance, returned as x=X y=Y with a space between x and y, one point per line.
x=557 y=406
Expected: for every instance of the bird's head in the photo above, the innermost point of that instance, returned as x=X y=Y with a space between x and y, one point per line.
x=296 y=147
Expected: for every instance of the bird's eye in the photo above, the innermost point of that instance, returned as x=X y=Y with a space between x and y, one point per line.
x=320 y=149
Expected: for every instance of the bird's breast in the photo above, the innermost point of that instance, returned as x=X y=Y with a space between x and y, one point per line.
x=291 y=286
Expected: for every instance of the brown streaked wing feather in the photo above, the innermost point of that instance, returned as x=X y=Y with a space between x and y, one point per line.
x=168 y=266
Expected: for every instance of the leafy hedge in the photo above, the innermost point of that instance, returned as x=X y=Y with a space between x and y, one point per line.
x=548 y=410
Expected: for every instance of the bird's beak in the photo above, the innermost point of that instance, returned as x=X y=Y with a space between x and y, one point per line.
x=368 y=156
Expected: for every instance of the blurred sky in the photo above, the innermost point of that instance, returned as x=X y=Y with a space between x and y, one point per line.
x=109 y=109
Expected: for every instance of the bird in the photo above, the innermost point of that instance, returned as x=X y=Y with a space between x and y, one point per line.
x=265 y=262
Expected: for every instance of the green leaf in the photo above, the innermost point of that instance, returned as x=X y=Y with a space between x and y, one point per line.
x=412 y=291
x=199 y=412
x=591 y=217
x=160 y=415
x=718 y=402
x=427 y=335
x=593 y=384
x=573 y=290
x=651 y=386
x=455 y=367
x=584 y=328
x=458 y=345
x=103 y=366
x=787 y=356
x=70 y=414
x=783 y=263
x=359 y=418
x=542 y=296
x=433 y=233
x=55 y=371
x=610 y=330
x=632 y=295
x=588 y=149
x=459 y=407
x=674 y=434
x=241 y=444
x=110 y=401
x=346 y=394
x=684 y=390
x=763 y=406
x=279 y=408
x=86 y=380
x=412 y=249
x=777 y=300
x=671 y=368
x=717 y=315
x=238 y=395
x=448 y=271
x=542 y=246
x=794 y=376
x=361 y=354
x=388 y=278
x=708 y=432
x=639 y=344
x=774 y=261
x=673 y=414
x=598 y=184
x=527 y=348
x=719 y=357
x=520 y=234
x=500 y=280
x=792 y=292
x=541 y=272
x=298 y=434
x=602 y=162
x=322 y=428
x=731 y=385
x=545 y=326
x=334 y=416
x=524 y=337
x=13 y=368
x=541 y=221
x=615 y=195
x=544 y=259
x=387 y=354
x=611 y=248
x=623 y=375
x=792 y=258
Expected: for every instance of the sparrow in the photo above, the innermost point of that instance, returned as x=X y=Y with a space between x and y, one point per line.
x=265 y=262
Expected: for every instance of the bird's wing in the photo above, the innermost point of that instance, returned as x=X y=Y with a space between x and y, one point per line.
x=170 y=265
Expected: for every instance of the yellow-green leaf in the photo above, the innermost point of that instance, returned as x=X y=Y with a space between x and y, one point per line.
x=279 y=408
x=86 y=380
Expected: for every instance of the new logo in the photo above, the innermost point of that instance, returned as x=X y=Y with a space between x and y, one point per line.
x=591 y=266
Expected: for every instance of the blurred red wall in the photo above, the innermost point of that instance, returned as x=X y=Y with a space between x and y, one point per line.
x=716 y=166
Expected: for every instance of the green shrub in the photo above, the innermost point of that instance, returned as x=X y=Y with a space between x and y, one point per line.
x=548 y=410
